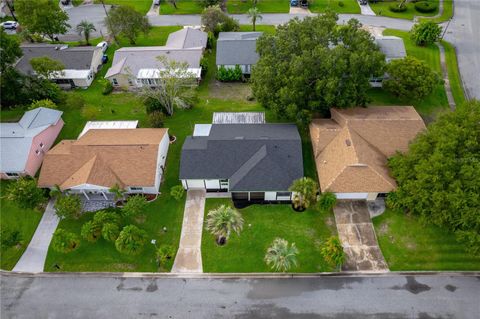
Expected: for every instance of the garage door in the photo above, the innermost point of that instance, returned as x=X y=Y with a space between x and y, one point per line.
x=352 y=195
x=240 y=196
x=212 y=183
x=196 y=183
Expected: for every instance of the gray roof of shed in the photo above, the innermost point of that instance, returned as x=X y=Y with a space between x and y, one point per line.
x=393 y=47
x=255 y=157
x=74 y=58
x=16 y=138
x=237 y=48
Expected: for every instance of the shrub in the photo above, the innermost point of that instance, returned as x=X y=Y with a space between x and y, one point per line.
x=156 y=119
x=333 y=253
x=164 y=253
x=107 y=87
x=134 y=206
x=103 y=217
x=341 y=4
x=42 y=103
x=425 y=6
x=110 y=232
x=91 y=231
x=211 y=41
x=229 y=75
x=425 y=33
x=69 y=206
x=396 y=7
x=208 y=3
x=131 y=240
x=24 y=193
x=204 y=65
x=10 y=238
x=64 y=242
x=177 y=192
x=327 y=201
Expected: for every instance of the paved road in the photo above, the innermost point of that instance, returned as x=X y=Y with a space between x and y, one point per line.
x=33 y=259
x=464 y=33
x=279 y=18
x=94 y=13
x=320 y=297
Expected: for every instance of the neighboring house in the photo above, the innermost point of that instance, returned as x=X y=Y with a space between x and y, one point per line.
x=139 y=66
x=23 y=144
x=81 y=63
x=252 y=162
x=237 y=48
x=134 y=159
x=393 y=48
x=351 y=149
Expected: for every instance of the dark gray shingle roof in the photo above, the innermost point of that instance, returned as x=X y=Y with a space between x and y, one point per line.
x=255 y=157
x=237 y=48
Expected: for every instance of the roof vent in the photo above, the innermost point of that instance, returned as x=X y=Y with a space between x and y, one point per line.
x=239 y=137
x=348 y=142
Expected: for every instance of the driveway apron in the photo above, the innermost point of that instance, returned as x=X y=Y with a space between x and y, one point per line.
x=33 y=259
x=189 y=255
x=358 y=238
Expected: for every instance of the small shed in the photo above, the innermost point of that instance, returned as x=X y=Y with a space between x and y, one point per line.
x=238 y=118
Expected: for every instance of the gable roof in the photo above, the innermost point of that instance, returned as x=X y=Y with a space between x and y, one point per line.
x=352 y=148
x=74 y=58
x=185 y=45
x=237 y=48
x=393 y=47
x=16 y=138
x=255 y=157
x=127 y=157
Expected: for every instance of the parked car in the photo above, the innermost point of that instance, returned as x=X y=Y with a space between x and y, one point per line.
x=103 y=45
x=104 y=59
x=156 y=2
x=12 y=25
x=65 y=2
x=363 y=2
x=293 y=3
x=304 y=3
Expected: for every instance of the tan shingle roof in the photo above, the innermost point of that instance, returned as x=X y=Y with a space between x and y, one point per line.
x=352 y=148
x=104 y=157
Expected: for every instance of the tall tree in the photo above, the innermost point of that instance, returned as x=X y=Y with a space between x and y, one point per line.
x=9 y=50
x=68 y=206
x=125 y=21
x=42 y=16
x=215 y=20
x=222 y=221
x=281 y=256
x=425 y=33
x=45 y=67
x=254 y=15
x=313 y=64
x=86 y=28
x=24 y=193
x=439 y=177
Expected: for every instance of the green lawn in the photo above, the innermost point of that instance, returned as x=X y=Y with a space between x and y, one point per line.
x=447 y=12
x=434 y=102
x=382 y=9
x=453 y=73
x=183 y=7
x=270 y=29
x=13 y=218
x=409 y=245
x=141 y=6
x=262 y=224
x=349 y=6
x=264 y=6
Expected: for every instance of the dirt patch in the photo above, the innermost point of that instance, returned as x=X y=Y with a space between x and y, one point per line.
x=383 y=229
x=140 y=219
x=329 y=221
x=230 y=91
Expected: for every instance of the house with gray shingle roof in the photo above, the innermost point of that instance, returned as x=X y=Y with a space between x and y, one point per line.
x=140 y=66
x=251 y=162
x=24 y=144
x=81 y=63
x=393 y=48
x=237 y=48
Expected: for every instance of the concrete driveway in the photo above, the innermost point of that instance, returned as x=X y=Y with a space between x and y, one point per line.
x=358 y=238
x=33 y=259
x=189 y=254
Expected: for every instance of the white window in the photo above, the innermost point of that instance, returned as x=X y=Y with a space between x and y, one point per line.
x=115 y=82
x=12 y=174
x=136 y=188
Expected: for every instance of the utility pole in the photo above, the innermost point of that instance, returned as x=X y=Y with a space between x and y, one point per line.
x=10 y=8
x=109 y=23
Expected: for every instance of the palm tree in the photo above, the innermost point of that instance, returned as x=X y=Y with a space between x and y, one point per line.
x=254 y=15
x=222 y=221
x=117 y=192
x=86 y=28
x=304 y=191
x=281 y=256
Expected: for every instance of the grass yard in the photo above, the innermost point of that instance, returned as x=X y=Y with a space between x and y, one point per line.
x=453 y=73
x=447 y=13
x=141 y=6
x=264 y=6
x=14 y=218
x=430 y=105
x=409 y=245
x=270 y=29
x=349 y=6
x=262 y=224
x=382 y=9
x=183 y=7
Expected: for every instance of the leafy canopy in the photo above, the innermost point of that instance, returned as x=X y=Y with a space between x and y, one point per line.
x=46 y=67
x=425 y=33
x=305 y=192
x=68 y=206
x=134 y=206
x=64 y=241
x=215 y=20
x=281 y=256
x=333 y=253
x=125 y=21
x=131 y=240
x=439 y=177
x=10 y=50
x=314 y=64
x=24 y=193
x=410 y=78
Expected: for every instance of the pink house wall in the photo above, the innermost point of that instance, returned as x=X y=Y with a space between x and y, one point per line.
x=46 y=137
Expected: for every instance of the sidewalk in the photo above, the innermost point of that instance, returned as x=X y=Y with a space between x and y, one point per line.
x=189 y=255
x=33 y=259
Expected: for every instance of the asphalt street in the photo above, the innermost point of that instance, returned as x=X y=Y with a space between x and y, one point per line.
x=464 y=33
x=384 y=296
x=93 y=13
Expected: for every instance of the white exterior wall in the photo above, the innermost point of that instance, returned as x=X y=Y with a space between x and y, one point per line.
x=351 y=195
x=85 y=82
x=194 y=184
x=161 y=159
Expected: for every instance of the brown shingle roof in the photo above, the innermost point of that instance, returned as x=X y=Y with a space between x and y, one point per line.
x=352 y=148
x=104 y=157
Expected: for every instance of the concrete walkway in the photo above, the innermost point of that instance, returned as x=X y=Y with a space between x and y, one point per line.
x=189 y=255
x=356 y=232
x=365 y=9
x=33 y=259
